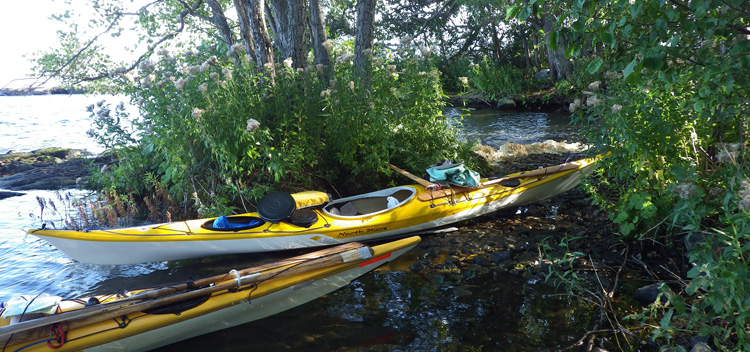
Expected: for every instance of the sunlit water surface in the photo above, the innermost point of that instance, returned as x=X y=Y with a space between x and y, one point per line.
x=387 y=310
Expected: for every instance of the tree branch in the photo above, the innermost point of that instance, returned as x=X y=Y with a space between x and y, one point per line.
x=67 y=65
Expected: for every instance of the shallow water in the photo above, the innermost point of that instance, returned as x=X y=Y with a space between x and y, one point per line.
x=495 y=128
x=393 y=310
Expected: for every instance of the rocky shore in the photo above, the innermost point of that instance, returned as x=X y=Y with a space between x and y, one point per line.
x=46 y=169
x=7 y=92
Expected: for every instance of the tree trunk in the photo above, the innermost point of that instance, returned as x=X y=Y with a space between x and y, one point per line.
x=318 y=34
x=559 y=66
x=495 y=42
x=288 y=22
x=263 y=50
x=363 y=41
x=220 y=21
x=245 y=31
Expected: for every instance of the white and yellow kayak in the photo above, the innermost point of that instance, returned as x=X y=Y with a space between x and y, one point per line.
x=146 y=319
x=376 y=215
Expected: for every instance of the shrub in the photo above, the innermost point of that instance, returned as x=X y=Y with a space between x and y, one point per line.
x=495 y=81
x=216 y=134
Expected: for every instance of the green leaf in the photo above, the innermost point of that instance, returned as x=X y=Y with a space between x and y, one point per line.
x=634 y=77
x=653 y=63
x=524 y=13
x=595 y=65
x=622 y=216
x=627 y=228
x=699 y=105
x=694 y=272
x=666 y=321
x=570 y=51
x=578 y=26
x=629 y=69
x=512 y=12
x=553 y=40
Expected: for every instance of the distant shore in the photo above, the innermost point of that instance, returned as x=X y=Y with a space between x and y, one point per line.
x=10 y=92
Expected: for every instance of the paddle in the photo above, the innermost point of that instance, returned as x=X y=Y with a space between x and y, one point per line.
x=427 y=184
x=34 y=329
x=218 y=278
x=534 y=173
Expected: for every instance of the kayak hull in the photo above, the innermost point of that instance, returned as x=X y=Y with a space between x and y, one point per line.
x=417 y=210
x=139 y=331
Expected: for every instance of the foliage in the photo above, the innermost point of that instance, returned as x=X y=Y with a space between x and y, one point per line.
x=672 y=108
x=451 y=71
x=211 y=133
x=495 y=81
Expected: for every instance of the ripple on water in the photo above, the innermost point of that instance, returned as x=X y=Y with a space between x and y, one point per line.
x=30 y=265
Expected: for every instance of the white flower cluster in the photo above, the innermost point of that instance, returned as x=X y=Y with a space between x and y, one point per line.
x=252 y=125
x=686 y=190
x=345 y=58
x=197 y=113
x=147 y=66
x=575 y=105
x=744 y=194
x=593 y=101
x=464 y=81
x=237 y=48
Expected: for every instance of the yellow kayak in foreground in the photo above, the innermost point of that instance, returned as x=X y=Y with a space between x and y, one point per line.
x=151 y=318
x=370 y=216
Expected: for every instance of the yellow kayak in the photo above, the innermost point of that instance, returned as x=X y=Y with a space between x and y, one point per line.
x=146 y=319
x=316 y=222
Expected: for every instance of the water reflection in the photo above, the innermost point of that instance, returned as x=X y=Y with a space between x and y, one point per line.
x=401 y=311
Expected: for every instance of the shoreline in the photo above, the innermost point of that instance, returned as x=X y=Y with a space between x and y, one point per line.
x=16 y=92
x=45 y=169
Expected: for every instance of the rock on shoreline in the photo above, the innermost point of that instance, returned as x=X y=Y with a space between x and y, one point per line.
x=7 y=92
x=47 y=169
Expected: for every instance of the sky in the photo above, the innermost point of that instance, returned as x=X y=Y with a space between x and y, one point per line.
x=26 y=28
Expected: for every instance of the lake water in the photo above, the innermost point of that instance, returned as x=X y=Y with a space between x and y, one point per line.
x=29 y=266
x=34 y=122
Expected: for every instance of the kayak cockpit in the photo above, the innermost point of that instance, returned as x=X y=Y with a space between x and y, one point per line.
x=370 y=203
x=233 y=223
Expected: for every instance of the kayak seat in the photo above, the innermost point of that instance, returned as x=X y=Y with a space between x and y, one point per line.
x=348 y=209
x=370 y=205
x=233 y=223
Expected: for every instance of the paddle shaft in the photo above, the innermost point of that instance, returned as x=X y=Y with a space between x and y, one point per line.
x=534 y=173
x=219 y=278
x=34 y=329
x=421 y=181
